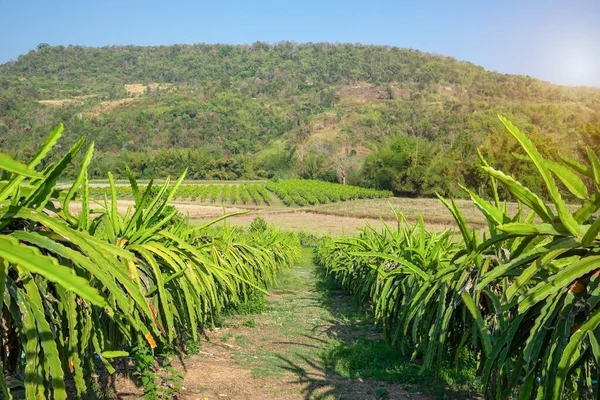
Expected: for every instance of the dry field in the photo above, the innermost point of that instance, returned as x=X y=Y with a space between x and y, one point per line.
x=60 y=102
x=108 y=106
x=138 y=89
x=343 y=218
x=432 y=210
x=306 y=221
x=195 y=211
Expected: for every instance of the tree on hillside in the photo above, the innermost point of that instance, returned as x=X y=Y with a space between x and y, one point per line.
x=345 y=162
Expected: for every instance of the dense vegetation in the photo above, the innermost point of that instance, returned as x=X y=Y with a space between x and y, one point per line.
x=383 y=117
x=291 y=192
x=523 y=300
x=309 y=192
x=81 y=291
x=232 y=194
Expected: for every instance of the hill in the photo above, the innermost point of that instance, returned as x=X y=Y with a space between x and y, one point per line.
x=380 y=116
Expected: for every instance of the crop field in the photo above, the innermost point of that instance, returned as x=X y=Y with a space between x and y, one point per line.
x=518 y=304
x=479 y=296
x=273 y=219
x=246 y=194
x=103 y=286
x=339 y=218
x=308 y=192
x=290 y=193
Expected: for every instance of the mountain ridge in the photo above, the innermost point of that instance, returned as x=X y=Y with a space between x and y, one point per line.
x=303 y=108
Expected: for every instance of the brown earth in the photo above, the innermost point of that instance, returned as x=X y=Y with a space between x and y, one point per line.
x=283 y=219
x=341 y=218
x=60 y=102
x=310 y=222
x=108 y=106
x=367 y=92
x=193 y=210
x=138 y=89
x=135 y=89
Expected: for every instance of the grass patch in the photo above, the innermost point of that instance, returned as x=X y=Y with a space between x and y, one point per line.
x=226 y=337
x=358 y=350
x=250 y=323
x=375 y=359
x=241 y=340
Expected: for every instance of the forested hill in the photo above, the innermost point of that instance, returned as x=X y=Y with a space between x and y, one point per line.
x=379 y=116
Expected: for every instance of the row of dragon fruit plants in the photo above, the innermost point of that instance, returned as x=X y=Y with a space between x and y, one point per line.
x=290 y=192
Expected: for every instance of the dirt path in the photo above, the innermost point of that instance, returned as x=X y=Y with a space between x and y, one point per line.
x=283 y=352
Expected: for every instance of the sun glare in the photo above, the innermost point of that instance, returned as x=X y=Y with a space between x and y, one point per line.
x=580 y=66
x=578 y=63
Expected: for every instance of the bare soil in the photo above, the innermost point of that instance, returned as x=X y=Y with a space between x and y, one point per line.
x=342 y=218
x=308 y=221
x=138 y=89
x=135 y=89
x=195 y=211
x=60 y=102
x=108 y=106
x=368 y=92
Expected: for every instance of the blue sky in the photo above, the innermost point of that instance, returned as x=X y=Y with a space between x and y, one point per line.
x=557 y=41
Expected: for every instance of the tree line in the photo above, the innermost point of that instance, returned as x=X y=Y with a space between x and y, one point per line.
x=378 y=116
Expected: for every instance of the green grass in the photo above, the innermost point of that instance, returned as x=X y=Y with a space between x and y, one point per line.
x=367 y=358
x=328 y=336
x=273 y=148
x=226 y=337
x=249 y=323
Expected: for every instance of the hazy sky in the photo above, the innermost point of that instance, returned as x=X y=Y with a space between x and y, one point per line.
x=557 y=41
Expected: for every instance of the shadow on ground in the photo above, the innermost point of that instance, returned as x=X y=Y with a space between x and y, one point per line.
x=349 y=358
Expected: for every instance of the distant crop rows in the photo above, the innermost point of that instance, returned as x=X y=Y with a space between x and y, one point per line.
x=308 y=192
x=291 y=193
x=233 y=194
